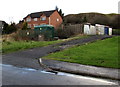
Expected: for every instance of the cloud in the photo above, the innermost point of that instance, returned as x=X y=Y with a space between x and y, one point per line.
x=16 y=10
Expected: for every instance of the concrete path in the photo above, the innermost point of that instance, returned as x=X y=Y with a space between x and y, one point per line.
x=82 y=69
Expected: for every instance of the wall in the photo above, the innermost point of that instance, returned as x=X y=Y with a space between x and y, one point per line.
x=53 y=20
x=38 y=22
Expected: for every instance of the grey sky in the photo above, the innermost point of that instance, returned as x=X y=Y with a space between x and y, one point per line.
x=15 y=10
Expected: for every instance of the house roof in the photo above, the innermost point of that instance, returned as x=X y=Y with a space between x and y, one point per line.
x=39 y=14
x=3 y=22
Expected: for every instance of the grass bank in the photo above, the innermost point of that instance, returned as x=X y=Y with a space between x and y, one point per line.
x=12 y=46
x=8 y=47
x=103 y=53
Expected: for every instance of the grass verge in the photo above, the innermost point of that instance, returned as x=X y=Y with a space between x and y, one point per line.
x=12 y=46
x=102 y=53
x=8 y=47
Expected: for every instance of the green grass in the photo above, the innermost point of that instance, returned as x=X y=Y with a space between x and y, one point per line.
x=12 y=46
x=8 y=47
x=76 y=37
x=102 y=53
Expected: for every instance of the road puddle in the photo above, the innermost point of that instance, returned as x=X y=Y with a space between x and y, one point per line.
x=58 y=73
x=29 y=69
x=34 y=70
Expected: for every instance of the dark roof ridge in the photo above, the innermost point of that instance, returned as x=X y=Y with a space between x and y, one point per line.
x=38 y=14
x=43 y=11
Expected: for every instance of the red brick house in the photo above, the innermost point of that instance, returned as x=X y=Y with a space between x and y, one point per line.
x=46 y=17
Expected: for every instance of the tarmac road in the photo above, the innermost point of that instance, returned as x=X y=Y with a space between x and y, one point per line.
x=25 y=76
x=29 y=58
x=18 y=75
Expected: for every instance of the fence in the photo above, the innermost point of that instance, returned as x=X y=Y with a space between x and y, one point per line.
x=76 y=28
x=33 y=35
x=63 y=32
x=66 y=31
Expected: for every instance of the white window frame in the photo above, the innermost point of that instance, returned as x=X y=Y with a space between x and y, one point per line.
x=35 y=19
x=28 y=19
x=43 y=18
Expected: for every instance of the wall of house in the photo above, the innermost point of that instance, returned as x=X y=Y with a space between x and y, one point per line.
x=33 y=23
x=53 y=19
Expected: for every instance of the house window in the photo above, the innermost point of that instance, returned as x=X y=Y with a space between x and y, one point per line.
x=43 y=18
x=29 y=25
x=28 y=19
x=35 y=25
x=57 y=19
x=35 y=19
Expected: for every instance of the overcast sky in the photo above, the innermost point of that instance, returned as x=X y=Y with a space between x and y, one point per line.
x=15 y=10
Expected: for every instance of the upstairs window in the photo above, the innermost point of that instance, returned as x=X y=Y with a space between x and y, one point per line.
x=28 y=19
x=35 y=19
x=57 y=19
x=43 y=18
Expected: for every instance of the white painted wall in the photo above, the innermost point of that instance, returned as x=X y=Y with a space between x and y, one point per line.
x=86 y=29
x=92 y=30
x=110 y=31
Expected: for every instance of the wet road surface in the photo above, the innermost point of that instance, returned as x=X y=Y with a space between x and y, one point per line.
x=26 y=76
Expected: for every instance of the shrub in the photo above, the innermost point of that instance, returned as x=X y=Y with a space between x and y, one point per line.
x=64 y=33
x=116 y=31
x=8 y=29
x=25 y=26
